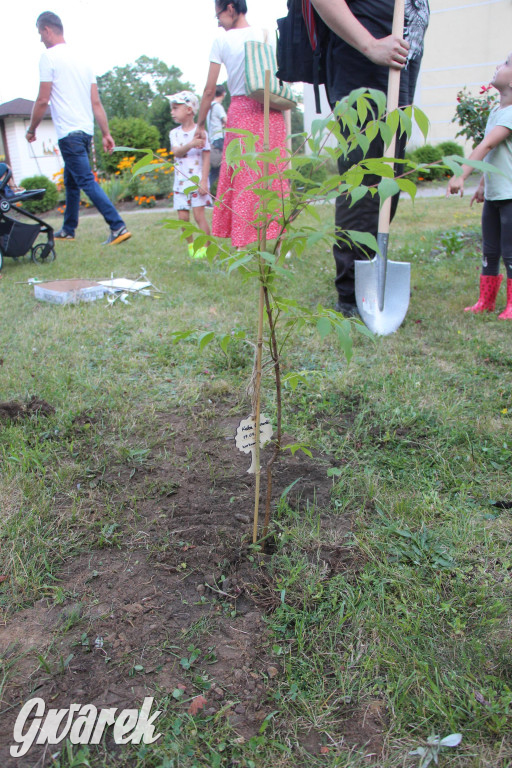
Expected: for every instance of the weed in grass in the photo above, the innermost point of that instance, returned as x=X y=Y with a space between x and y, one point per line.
x=433 y=747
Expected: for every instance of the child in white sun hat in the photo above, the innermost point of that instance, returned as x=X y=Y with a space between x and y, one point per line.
x=191 y=159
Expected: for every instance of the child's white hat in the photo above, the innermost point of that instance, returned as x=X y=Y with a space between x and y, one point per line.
x=185 y=97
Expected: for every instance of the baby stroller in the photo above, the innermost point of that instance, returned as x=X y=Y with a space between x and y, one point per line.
x=16 y=236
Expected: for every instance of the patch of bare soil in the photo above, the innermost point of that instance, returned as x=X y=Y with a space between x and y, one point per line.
x=15 y=410
x=172 y=597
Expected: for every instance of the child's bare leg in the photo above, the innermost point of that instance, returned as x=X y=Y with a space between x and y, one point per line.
x=185 y=216
x=201 y=220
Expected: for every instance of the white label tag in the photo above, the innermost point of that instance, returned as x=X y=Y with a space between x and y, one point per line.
x=245 y=439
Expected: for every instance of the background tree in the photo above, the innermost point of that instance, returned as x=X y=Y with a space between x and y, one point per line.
x=139 y=90
x=297 y=127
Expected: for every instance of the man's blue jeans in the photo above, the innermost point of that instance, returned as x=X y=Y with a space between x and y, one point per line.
x=74 y=149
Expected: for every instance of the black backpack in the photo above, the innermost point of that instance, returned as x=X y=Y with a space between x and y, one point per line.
x=302 y=46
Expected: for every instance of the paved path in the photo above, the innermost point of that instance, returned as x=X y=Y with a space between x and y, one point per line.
x=424 y=190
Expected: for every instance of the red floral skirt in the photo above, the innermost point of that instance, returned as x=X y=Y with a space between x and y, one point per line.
x=236 y=206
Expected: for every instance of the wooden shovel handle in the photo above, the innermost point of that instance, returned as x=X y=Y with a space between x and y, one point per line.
x=392 y=103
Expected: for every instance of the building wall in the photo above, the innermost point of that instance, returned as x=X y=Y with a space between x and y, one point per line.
x=310 y=109
x=40 y=157
x=465 y=41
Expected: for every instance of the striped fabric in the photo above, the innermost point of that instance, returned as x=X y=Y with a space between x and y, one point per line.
x=258 y=58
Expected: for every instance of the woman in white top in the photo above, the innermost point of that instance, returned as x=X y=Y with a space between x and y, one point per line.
x=236 y=207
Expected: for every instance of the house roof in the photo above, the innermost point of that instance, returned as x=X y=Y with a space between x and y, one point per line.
x=19 y=108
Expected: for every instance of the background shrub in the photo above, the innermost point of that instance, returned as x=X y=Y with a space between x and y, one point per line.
x=426 y=154
x=450 y=148
x=50 y=198
x=129 y=132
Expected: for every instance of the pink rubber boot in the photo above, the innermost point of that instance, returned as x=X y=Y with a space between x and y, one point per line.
x=489 y=287
x=507 y=313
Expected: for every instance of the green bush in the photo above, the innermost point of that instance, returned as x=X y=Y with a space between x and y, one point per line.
x=471 y=112
x=51 y=196
x=129 y=132
x=450 y=148
x=116 y=188
x=426 y=154
x=158 y=183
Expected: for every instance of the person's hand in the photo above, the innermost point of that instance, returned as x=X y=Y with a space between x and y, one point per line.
x=203 y=187
x=455 y=185
x=200 y=134
x=198 y=141
x=30 y=136
x=390 y=51
x=478 y=196
x=108 y=143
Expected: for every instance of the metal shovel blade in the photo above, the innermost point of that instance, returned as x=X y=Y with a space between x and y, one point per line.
x=383 y=289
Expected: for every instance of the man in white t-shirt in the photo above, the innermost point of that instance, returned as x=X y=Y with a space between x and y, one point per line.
x=69 y=85
x=216 y=125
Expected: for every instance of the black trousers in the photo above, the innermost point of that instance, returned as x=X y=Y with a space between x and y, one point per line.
x=496 y=236
x=362 y=217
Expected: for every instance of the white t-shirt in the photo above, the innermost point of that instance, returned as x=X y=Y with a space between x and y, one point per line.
x=229 y=49
x=498 y=187
x=189 y=165
x=214 y=120
x=70 y=98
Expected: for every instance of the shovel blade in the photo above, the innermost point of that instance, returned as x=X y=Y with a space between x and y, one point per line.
x=396 y=295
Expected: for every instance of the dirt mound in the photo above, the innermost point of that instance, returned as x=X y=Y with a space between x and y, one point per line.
x=15 y=410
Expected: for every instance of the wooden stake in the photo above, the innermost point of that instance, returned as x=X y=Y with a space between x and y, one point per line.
x=261 y=307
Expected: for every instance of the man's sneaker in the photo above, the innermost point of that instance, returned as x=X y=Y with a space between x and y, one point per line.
x=62 y=235
x=117 y=237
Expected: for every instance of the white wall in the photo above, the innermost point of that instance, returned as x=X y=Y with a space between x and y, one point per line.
x=310 y=110
x=465 y=41
x=40 y=157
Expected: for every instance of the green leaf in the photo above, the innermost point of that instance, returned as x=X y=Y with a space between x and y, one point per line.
x=294 y=447
x=405 y=123
x=181 y=335
x=406 y=185
x=143 y=166
x=285 y=494
x=357 y=194
x=422 y=122
x=454 y=166
x=393 y=120
x=363 y=238
x=205 y=338
x=387 y=188
x=386 y=133
x=239 y=262
x=266 y=722
x=323 y=326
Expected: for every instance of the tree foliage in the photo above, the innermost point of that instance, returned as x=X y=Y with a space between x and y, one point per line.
x=139 y=90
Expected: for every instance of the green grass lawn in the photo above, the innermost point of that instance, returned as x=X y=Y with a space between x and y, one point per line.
x=414 y=631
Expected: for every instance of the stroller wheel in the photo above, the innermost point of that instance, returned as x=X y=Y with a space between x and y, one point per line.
x=41 y=254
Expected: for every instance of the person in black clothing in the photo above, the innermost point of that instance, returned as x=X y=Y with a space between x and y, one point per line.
x=359 y=55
